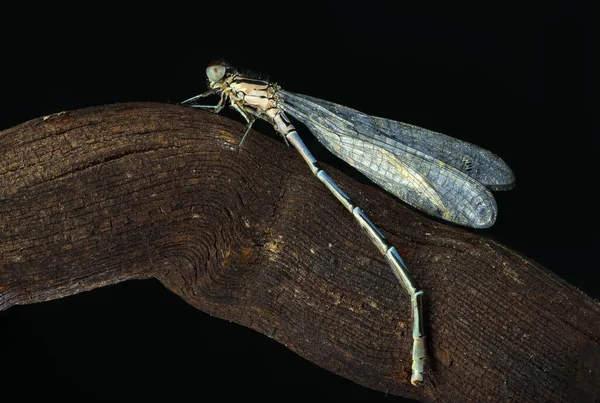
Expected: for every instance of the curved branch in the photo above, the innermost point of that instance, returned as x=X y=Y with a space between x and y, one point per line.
x=101 y=195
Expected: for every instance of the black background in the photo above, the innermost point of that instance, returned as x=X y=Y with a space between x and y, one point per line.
x=517 y=81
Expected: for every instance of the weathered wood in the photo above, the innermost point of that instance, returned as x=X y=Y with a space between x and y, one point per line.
x=101 y=195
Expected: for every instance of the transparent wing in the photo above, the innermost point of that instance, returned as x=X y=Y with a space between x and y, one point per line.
x=480 y=164
x=408 y=171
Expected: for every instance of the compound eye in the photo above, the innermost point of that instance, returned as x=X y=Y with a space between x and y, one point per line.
x=215 y=72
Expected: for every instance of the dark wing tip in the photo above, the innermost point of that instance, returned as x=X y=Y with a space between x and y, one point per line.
x=504 y=181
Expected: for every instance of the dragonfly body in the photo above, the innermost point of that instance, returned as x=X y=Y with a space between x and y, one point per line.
x=255 y=98
x=438 y=174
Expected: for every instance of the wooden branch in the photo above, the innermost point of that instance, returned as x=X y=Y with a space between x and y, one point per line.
x=101 y=195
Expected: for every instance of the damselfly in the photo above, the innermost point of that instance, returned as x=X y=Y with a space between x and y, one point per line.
x=445 y=177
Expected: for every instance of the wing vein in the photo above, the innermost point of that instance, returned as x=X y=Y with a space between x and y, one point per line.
x=442 y=176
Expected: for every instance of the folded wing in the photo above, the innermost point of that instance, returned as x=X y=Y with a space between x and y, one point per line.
x=421 y=173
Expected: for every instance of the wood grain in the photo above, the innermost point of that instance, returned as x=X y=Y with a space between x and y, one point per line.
x=131 y=191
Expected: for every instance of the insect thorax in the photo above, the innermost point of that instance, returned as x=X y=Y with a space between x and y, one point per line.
x=257 y=94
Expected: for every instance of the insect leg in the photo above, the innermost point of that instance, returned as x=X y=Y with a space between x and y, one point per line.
x=216 y=108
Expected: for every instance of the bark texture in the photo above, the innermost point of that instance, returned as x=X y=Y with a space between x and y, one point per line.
x=128 y=191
